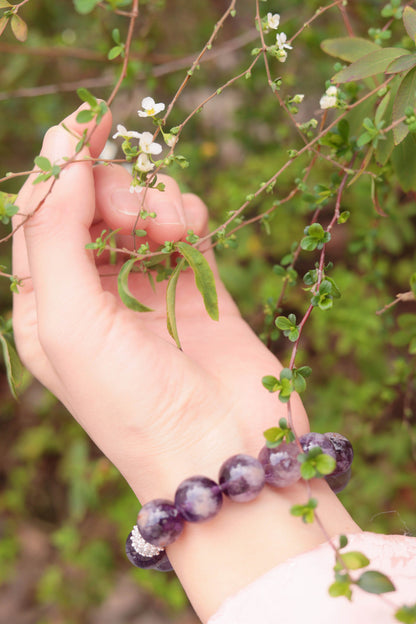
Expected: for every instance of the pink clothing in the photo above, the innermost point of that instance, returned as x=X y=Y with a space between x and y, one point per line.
x=294 y=591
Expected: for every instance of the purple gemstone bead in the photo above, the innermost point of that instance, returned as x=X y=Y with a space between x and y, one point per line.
x=159 y=522
x=281 y=464
x=339 y=481
x=344 y=453
x=198 y=498
x=312 y=440
x=138 y=559
x=164 y=565
x=241 y=478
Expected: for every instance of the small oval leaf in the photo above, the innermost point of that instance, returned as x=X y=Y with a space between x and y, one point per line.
x=375 y=582
x=123 y=290
x=355 y=560
x=204 y=277
x=19 y=28
x=403 y=63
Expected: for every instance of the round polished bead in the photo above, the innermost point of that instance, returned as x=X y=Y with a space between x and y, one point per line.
x=312 y=440
x=198 y=499
x=135 y=553
x=160 y=522
x=281 y=464
x=339 y=481
x=344 y=453
x=164 y=565
x=241 y=478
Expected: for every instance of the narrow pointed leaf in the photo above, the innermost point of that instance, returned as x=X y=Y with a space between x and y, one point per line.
x=171 y=300
x=4 y=4
x=371 y=64
x=14 y=367
x=3 y=23
x=204 y=277
x=401 y=64
x=349 y=49
x=409 y=21
x=123 y=290
x=405 y=97
x=403 y=159
x=375 y=582
x=19 y=28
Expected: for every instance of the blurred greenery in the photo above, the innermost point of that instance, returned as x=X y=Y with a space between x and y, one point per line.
x=363 y=384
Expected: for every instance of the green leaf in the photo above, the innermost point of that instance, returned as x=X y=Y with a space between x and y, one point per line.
x=43 y=163
x=114 y=52
x=340 y=588
x=369 y=65
x=19 y=28
x=409 y=21
x=403 y=159
x=375 y=582
x=325 y=464
x=343 y=541
x=405 y=97
x=307 y=470
x=355 y=560
x=3 y=23
x=123 y=290
x=14 y=368
x=4 y=4
x=401 y=64
x=86 y=96
x=171 y=300
x=299 y=383
x=204 y=277
x=283 y=323
x=349 y=49
x=85 y=116
x=271 y=383
x=406 y=614
x=85 y=6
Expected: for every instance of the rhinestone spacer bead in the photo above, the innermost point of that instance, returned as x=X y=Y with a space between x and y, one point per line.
x=142 y=547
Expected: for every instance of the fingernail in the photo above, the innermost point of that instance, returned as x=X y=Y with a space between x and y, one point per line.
x=125 y=202
x=167 y=213
x=59 y=145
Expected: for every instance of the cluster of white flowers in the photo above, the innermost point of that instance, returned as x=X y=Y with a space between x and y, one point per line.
x=148 y=148
x=273 y=21
x=330 y=98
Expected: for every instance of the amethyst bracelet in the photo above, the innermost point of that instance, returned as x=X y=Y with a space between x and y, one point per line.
x=241 y=478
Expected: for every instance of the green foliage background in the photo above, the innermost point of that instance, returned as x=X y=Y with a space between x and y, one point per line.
x=53 y=480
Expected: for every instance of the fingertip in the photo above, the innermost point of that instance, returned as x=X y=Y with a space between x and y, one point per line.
x=196 y=214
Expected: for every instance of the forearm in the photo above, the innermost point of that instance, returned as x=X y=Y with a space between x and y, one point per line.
x=215 y=559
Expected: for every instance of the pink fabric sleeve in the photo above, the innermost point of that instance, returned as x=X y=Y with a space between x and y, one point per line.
x=291 y=592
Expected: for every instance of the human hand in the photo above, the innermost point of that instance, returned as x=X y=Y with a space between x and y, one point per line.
x=155 y=411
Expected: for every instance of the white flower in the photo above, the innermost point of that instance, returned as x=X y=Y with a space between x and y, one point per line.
x=146 y=144
x=144 y=163
x=298 y=98
x=150 y=108
x=135 y=188
x=126 y=134
x=281 y=39
x=109 y=151
x=328 y=101
x=273 y=20
x=332 y=90
x=170 y=140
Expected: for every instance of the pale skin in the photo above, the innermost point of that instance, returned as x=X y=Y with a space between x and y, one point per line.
x=159 y=414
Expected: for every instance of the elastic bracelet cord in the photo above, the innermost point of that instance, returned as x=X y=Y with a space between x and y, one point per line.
x=241 y=478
